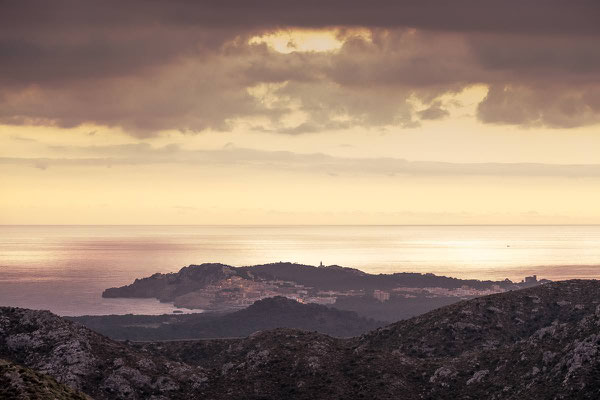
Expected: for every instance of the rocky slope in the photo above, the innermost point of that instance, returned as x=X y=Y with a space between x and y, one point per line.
x=17 y=382
x=89 y=362
x=538 y=343
x=265 y=314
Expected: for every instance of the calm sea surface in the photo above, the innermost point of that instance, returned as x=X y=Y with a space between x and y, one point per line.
x=65 y=268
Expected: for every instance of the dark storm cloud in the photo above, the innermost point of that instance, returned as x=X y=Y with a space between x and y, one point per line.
x=528 y=16
x=539 y=80
x=557 y=106
x=541 y=56
x=151 y=65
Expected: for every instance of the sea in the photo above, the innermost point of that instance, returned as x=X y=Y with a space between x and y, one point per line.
x=64 y=269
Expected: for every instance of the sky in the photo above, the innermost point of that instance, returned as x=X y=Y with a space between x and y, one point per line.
x=288 y=112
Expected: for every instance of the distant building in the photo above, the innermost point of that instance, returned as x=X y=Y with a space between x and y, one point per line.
x=381 y=295
x=531 y=279
x=321 y=264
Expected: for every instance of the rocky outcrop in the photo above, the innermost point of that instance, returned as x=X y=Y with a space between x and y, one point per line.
x=87 y=361
x=18 y=382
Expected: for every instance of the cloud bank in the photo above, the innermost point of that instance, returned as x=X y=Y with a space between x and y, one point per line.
x=148 y=66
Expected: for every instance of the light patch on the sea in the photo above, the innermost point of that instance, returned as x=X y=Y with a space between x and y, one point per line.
x=288 y=41
x=479 y=254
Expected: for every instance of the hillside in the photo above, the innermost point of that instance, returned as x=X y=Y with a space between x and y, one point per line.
x=89 y=362
x=537 y=343
x=264 y=314
x=17 y=382
x=167 y=287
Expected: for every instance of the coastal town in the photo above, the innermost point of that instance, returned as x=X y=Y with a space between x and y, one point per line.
x=235 y=292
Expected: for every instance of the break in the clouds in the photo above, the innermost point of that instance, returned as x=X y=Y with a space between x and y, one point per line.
x=148 y=66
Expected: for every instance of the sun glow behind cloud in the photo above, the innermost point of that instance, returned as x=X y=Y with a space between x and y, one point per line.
x=324 y=40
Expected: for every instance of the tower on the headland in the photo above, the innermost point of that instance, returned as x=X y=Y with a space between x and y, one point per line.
x=321 y=264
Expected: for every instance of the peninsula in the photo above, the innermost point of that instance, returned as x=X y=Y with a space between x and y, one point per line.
x=385 y=297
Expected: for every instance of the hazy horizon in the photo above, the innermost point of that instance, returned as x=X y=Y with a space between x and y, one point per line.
x=66 y=268
x=307 y=225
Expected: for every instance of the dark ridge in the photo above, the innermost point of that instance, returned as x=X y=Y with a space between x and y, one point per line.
x=270 y=313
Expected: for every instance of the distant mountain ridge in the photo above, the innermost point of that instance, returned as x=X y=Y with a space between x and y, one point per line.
x=537 y=343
